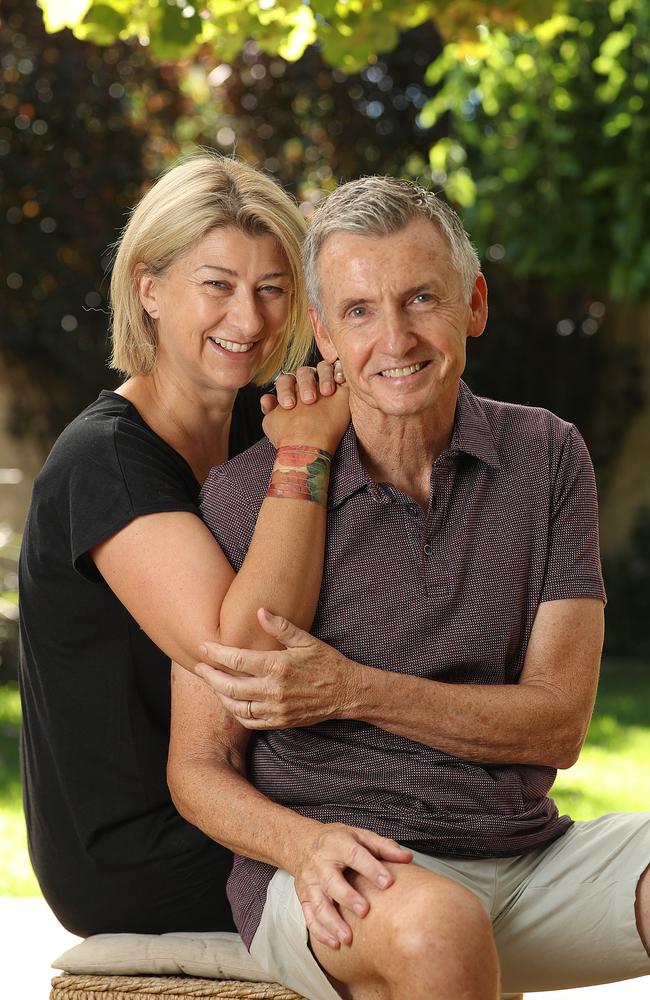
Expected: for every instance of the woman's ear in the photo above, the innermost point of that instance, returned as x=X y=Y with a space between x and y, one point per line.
x=321 y=335
x=147 y=287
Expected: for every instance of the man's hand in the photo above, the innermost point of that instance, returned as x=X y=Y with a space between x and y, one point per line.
x=305 y=683
x=321 y=883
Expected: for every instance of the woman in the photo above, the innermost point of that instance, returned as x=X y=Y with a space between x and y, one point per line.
x=118 y=574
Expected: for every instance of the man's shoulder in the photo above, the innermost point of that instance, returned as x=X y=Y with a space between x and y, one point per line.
x=245 y=476
x=517 y=426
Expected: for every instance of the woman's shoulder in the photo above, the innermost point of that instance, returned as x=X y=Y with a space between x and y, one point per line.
x=110 y=439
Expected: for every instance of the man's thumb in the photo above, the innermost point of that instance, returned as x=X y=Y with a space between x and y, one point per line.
x=282 y=629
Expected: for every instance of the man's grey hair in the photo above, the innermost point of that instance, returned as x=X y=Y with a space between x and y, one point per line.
x=381 y=206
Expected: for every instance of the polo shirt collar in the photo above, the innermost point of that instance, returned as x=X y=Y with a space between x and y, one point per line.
x=472 y=435
x=472 y=432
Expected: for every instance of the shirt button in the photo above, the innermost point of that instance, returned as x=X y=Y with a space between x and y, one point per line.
x=413 y=508
x=427 y=549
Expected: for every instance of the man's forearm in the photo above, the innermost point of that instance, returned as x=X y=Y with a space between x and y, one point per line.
x=543 y=719
x=220 y=801
x=500 y=724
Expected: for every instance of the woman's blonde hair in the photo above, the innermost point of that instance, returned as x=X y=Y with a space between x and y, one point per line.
x=191 y=199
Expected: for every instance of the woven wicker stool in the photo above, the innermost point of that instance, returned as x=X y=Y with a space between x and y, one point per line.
x=164 y=988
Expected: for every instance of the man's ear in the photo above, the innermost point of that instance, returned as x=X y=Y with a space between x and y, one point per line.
x=478 y=308
x=146 y=286
x=322 y=337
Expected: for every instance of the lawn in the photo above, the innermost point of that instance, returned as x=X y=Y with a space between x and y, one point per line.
x=612 y=772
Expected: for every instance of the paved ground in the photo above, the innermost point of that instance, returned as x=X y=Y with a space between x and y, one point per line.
x=32 y=937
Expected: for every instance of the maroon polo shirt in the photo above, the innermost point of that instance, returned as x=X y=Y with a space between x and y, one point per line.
x=450 y=594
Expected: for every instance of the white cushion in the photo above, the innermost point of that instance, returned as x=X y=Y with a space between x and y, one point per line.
x=208 y=955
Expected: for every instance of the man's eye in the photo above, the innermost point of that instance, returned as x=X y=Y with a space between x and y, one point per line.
x=357 y=311
x=424 y=297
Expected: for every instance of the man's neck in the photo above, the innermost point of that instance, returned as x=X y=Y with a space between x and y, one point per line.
x=401 y=450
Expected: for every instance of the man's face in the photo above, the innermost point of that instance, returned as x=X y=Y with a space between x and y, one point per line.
x=396 y=316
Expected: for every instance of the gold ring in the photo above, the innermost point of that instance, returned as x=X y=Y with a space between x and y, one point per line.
x=249 y=710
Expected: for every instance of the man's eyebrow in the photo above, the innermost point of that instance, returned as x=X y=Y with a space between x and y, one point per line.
x=353 y=301
x=425 y=286
x=234 y=274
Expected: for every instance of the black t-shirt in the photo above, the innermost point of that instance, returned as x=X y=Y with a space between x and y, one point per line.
x=109 y=849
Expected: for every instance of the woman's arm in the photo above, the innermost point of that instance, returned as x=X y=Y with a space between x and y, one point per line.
x=171 y=575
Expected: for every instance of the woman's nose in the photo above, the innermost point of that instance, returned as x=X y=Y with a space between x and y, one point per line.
x=245 y=315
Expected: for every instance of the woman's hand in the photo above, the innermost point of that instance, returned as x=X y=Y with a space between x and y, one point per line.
x=305 y=683
x=321 y=424
x=308 y=385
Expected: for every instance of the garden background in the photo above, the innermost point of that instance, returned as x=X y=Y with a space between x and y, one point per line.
x=532 y=118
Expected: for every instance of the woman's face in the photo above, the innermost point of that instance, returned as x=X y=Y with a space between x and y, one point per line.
x=221 y=309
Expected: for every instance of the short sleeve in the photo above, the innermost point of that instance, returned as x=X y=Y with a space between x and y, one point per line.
x=121 y=470
x=228 y=516
x=232 y=496
x=573 y=560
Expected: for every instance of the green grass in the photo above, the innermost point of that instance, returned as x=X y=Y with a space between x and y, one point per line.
x=612 y=772
x=611 y=775
x=16 y=875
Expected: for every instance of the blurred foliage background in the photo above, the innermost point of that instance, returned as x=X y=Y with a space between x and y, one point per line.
x=532 y=118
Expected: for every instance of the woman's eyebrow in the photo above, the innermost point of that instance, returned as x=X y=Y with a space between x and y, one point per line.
x=234 y=274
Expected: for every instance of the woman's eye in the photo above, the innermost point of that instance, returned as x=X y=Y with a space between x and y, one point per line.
x=214 y=283
x=272 y=290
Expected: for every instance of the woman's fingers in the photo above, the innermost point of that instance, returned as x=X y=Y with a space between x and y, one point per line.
x=285 y=388
x=308 y=384
x=325 y=372
x=268 y=402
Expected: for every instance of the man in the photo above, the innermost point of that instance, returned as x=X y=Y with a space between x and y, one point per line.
x=452 y=668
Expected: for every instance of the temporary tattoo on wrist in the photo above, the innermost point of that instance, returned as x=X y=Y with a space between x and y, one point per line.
x=301 y=472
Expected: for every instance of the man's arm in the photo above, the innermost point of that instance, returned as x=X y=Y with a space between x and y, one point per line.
x=543 y=719
x=206 y=775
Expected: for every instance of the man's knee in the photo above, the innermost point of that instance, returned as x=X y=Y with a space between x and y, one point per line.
x=642 y=908
x=439 y=917
x=435 y=928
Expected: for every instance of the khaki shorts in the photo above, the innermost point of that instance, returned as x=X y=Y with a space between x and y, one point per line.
x=563 y=916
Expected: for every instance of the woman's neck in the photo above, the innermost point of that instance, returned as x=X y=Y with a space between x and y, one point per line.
x=196 y=424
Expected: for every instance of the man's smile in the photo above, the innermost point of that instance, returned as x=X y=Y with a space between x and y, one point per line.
x=403 y=372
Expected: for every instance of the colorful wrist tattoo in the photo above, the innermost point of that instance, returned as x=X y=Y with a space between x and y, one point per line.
x=300 y=472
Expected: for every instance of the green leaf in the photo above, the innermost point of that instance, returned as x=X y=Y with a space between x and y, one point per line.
x=58 y=14
x=101 y=25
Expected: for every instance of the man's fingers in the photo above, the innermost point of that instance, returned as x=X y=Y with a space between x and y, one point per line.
x=237 y=688
x=339 y=377
x=324 y=919
x=283 y=630
x=241 y=661
x=384 y=847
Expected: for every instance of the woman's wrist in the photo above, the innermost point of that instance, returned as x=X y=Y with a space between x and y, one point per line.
x=301 y=472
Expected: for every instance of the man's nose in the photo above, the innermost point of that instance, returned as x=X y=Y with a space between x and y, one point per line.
x=396 y=335
x=245 y=315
